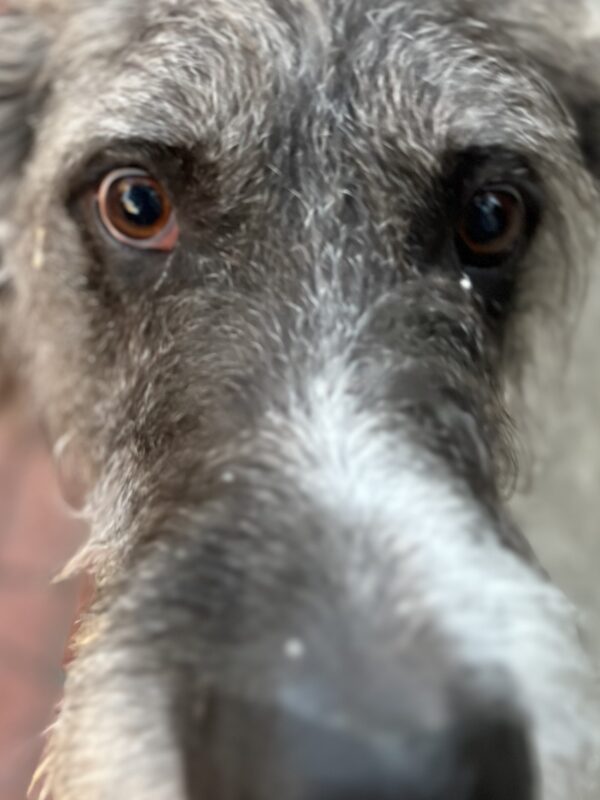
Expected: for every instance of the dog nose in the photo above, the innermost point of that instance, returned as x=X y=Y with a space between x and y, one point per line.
x=484 y=760
x=259 y=753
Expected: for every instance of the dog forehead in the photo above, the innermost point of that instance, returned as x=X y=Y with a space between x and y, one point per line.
x=173 y=73
x=220 y=72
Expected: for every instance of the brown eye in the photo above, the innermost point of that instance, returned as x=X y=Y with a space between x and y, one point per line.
x=492 y=226
x=136 y=210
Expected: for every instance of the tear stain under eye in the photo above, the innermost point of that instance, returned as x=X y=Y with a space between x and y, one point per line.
x=39 y=244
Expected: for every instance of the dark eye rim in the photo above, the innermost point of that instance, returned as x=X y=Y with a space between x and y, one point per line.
x=164 y=240
x=496 y=168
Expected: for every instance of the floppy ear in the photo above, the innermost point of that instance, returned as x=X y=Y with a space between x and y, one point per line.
x=22 y=48
x=563 y=38
x=580 y=91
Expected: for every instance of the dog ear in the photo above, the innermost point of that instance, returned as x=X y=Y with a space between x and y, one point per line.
x=22 y=50
x=586 y=110
x=563 y=38
x=577 y=82
x=22 y=47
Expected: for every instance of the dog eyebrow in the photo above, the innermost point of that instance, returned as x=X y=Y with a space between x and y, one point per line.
x=160 y=110
x=151 y=119
x=96 y=157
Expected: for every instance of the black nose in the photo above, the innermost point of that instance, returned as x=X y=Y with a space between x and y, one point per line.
x=250 y=752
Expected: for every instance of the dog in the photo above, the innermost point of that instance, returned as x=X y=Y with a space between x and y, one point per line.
x=272 y=271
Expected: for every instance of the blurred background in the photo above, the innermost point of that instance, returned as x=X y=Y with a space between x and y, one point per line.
x=36 y=538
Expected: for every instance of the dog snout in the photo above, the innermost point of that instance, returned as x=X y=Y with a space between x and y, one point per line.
x=261 y=752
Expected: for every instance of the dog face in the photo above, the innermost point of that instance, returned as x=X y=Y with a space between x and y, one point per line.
x=271 y=266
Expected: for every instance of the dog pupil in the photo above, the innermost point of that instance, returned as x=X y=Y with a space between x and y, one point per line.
x=142 y=205
x=486 y=218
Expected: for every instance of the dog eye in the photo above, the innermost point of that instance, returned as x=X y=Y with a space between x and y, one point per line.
x=492 y=226
x=136 y=210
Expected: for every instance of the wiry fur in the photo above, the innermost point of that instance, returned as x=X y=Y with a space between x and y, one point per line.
x=297 y=424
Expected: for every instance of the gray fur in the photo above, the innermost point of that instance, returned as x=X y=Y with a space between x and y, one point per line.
x=203 y=395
